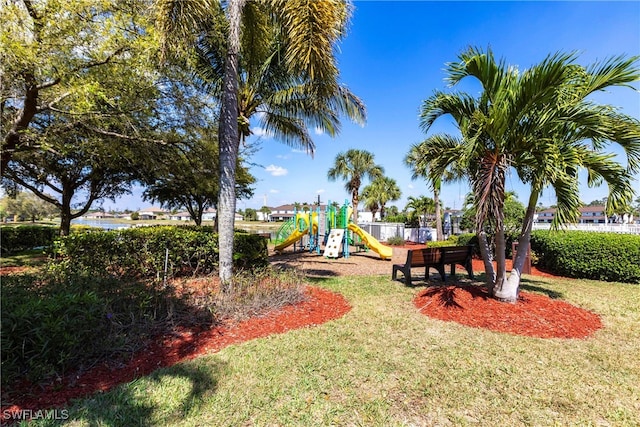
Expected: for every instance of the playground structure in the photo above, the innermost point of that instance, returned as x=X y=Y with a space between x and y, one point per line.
x=331 y=228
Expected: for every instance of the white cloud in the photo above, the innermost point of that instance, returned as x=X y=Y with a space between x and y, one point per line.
x=410 y=186
x=283 y=156
x=276 y=170
x=272 y=191
x=320 y=191
x=318 y=131
x=260 y=132
x=297 y=150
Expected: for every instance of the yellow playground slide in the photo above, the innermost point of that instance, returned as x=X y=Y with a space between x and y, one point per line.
x=385 y=252
x=293 y=237
x=297 y=234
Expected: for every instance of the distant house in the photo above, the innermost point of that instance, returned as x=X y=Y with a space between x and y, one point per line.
x=282 y=212
x=367 y=216
x=152 y=213
x=588 y=215
x=180 y=216
x=97 y=215
x=261 y=216
x=285 y=212
x=209 y=214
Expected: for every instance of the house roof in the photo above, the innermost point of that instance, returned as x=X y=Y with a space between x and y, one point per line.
x=153 y=209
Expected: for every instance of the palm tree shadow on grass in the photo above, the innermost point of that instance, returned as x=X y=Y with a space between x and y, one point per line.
x=538 y=286
x=527 y=284
x=132 y=401
x=446 y=292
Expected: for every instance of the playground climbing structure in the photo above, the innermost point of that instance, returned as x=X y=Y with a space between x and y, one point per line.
x=335 y=228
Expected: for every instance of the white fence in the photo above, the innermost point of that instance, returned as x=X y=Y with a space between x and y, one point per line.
x=383 y=231
x=421 y=235
x=602 y=228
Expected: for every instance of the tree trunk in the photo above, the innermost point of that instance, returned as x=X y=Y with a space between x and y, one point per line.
x=436 y=199
x=487 y=259
x=523 y=243
x=228 y=135
x=502 y=290
x=355 y=201
x=65 y=221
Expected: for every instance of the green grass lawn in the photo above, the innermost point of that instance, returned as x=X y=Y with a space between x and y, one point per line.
x=29 y=258
x=385 y=364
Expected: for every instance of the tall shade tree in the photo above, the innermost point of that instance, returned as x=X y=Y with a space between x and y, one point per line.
x=188 y=178
x=539 y=123
x=60 y=56
x=308 y=32
x=76 y=171
x=353 y=166
x=384 y=190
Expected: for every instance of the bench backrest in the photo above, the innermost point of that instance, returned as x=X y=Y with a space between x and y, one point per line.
x=455 y=253
x=422 y=257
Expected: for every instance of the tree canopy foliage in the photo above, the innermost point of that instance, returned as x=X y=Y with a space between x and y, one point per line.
x=74 y=65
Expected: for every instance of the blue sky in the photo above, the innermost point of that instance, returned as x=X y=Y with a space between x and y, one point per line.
x=394 y=57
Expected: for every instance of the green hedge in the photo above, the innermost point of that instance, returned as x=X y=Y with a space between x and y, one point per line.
x=589 y=255
x=472 y=239
x=140 y=252
x=22 y=237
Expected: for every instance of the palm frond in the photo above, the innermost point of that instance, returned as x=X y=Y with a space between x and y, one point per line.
x=459 y=105
x=179 y=22
x=311 y=28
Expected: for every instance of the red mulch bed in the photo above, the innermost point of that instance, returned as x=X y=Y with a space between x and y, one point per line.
x=321 y=306
x=532 y=315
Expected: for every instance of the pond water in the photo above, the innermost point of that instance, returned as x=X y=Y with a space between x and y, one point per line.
x=100 y=223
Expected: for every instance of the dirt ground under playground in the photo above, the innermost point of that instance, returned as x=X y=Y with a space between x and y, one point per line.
x=364 y=263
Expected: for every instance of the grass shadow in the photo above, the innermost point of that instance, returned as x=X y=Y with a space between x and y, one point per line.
x=538 y=286
x=131 y=404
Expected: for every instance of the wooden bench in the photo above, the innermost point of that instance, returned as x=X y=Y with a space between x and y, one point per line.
x=437 y=258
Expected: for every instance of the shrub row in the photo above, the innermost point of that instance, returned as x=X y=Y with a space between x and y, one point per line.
x=580 y=254
x=23 y=237
x=472 y=239
x=142 y=252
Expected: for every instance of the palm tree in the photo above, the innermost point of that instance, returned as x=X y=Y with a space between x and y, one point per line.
x=539 y=123
x=308 y=32
x=418 y=161
x=384 y=190
x=370 y=200
x=352 y=166
x=265 y=213
x=422 y=206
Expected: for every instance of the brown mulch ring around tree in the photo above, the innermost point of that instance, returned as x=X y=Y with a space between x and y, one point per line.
x=533 y=315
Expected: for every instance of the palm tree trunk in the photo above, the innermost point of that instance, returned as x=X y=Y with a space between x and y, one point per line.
x=523 y=243
x=228 y=135
x=502 y=291
x=436 y=200
x=487 y=259
x=355 y=201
